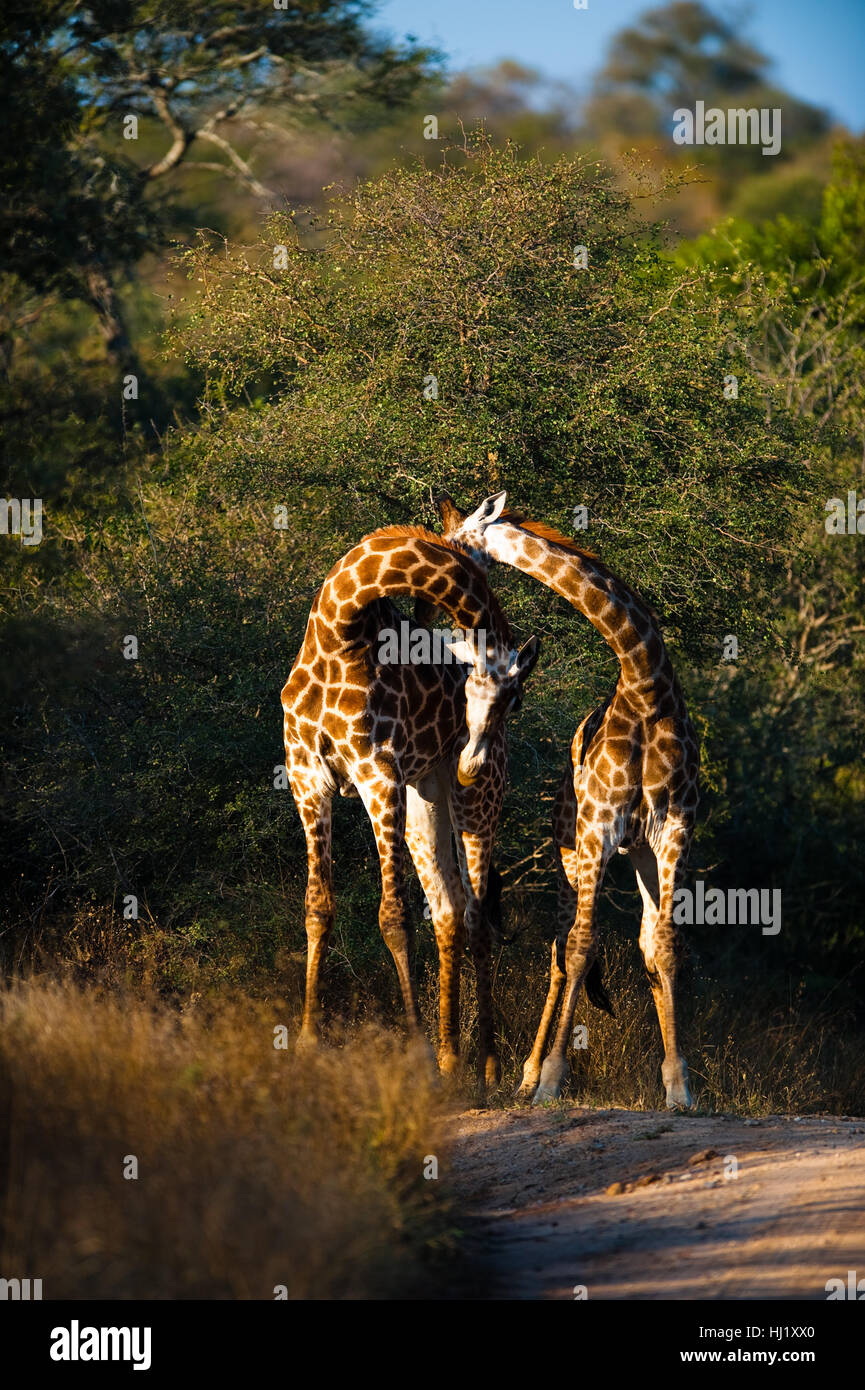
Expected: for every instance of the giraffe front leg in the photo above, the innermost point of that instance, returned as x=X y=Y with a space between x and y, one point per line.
x=659 y=943
x=386 y=807
x=315 y=814
x=475 y=850
x=428 y=835
x=475 y=815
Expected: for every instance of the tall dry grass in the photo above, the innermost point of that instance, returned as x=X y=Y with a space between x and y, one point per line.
x=255 y=1168
x=755 y=1042
x=258 y=1169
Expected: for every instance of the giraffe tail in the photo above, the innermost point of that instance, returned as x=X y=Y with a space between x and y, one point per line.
x=596 y=990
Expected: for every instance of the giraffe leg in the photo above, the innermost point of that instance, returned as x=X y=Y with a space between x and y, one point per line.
x=567 y=911
x=564 y=825
x=386 y=808
x=591 y=857
x=475 y=850
x=428 y=835
x=659 y=943
x=315 y=814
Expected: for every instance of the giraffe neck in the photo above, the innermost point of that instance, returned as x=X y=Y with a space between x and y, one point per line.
x=408 y=561
x=621 y=617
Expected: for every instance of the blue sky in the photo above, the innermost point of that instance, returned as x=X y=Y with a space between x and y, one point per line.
x=818 y=45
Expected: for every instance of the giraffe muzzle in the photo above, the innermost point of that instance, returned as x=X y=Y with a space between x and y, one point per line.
x=471 y=763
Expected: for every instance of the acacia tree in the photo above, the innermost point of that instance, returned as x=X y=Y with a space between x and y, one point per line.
x=502 y=322
x=79 y=207
x=494 y=322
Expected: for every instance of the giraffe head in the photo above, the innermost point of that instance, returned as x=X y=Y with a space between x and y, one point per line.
x=495 y=686
x=494 y=689
x=467 y=529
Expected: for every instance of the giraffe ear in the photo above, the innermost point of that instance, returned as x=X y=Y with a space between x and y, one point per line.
x=526 y=658
x=489 y=511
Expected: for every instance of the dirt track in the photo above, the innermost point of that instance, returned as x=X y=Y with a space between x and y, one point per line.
x=636 y=1204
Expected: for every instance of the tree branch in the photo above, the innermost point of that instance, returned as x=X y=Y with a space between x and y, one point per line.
x=241 y=168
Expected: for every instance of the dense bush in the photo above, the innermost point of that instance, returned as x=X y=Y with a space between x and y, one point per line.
x=601 y=387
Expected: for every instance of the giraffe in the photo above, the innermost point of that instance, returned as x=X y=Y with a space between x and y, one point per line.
x=423 y=746
x=630 y=785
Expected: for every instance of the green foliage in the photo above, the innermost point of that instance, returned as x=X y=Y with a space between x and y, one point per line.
x=86 y=197
x=787 y=735
x=602 y=386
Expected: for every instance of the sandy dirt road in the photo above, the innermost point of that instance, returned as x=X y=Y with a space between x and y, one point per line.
x=639 y=1204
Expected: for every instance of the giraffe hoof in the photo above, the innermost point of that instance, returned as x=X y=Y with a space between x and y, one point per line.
x=552 y=1081
x=544 y=1094
x=526 y=1088
x=679 y=1099
x=677 y=1088
x=449 y=1065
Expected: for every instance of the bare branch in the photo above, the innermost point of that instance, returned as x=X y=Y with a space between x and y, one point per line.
x=182 y=138
x=241 y=168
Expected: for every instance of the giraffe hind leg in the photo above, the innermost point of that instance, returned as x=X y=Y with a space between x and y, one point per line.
x=660 y=947
x=564 y=827
x=589 y=863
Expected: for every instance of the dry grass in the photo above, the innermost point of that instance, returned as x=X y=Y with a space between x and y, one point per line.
x=752 y=1048
x=255 y=1168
